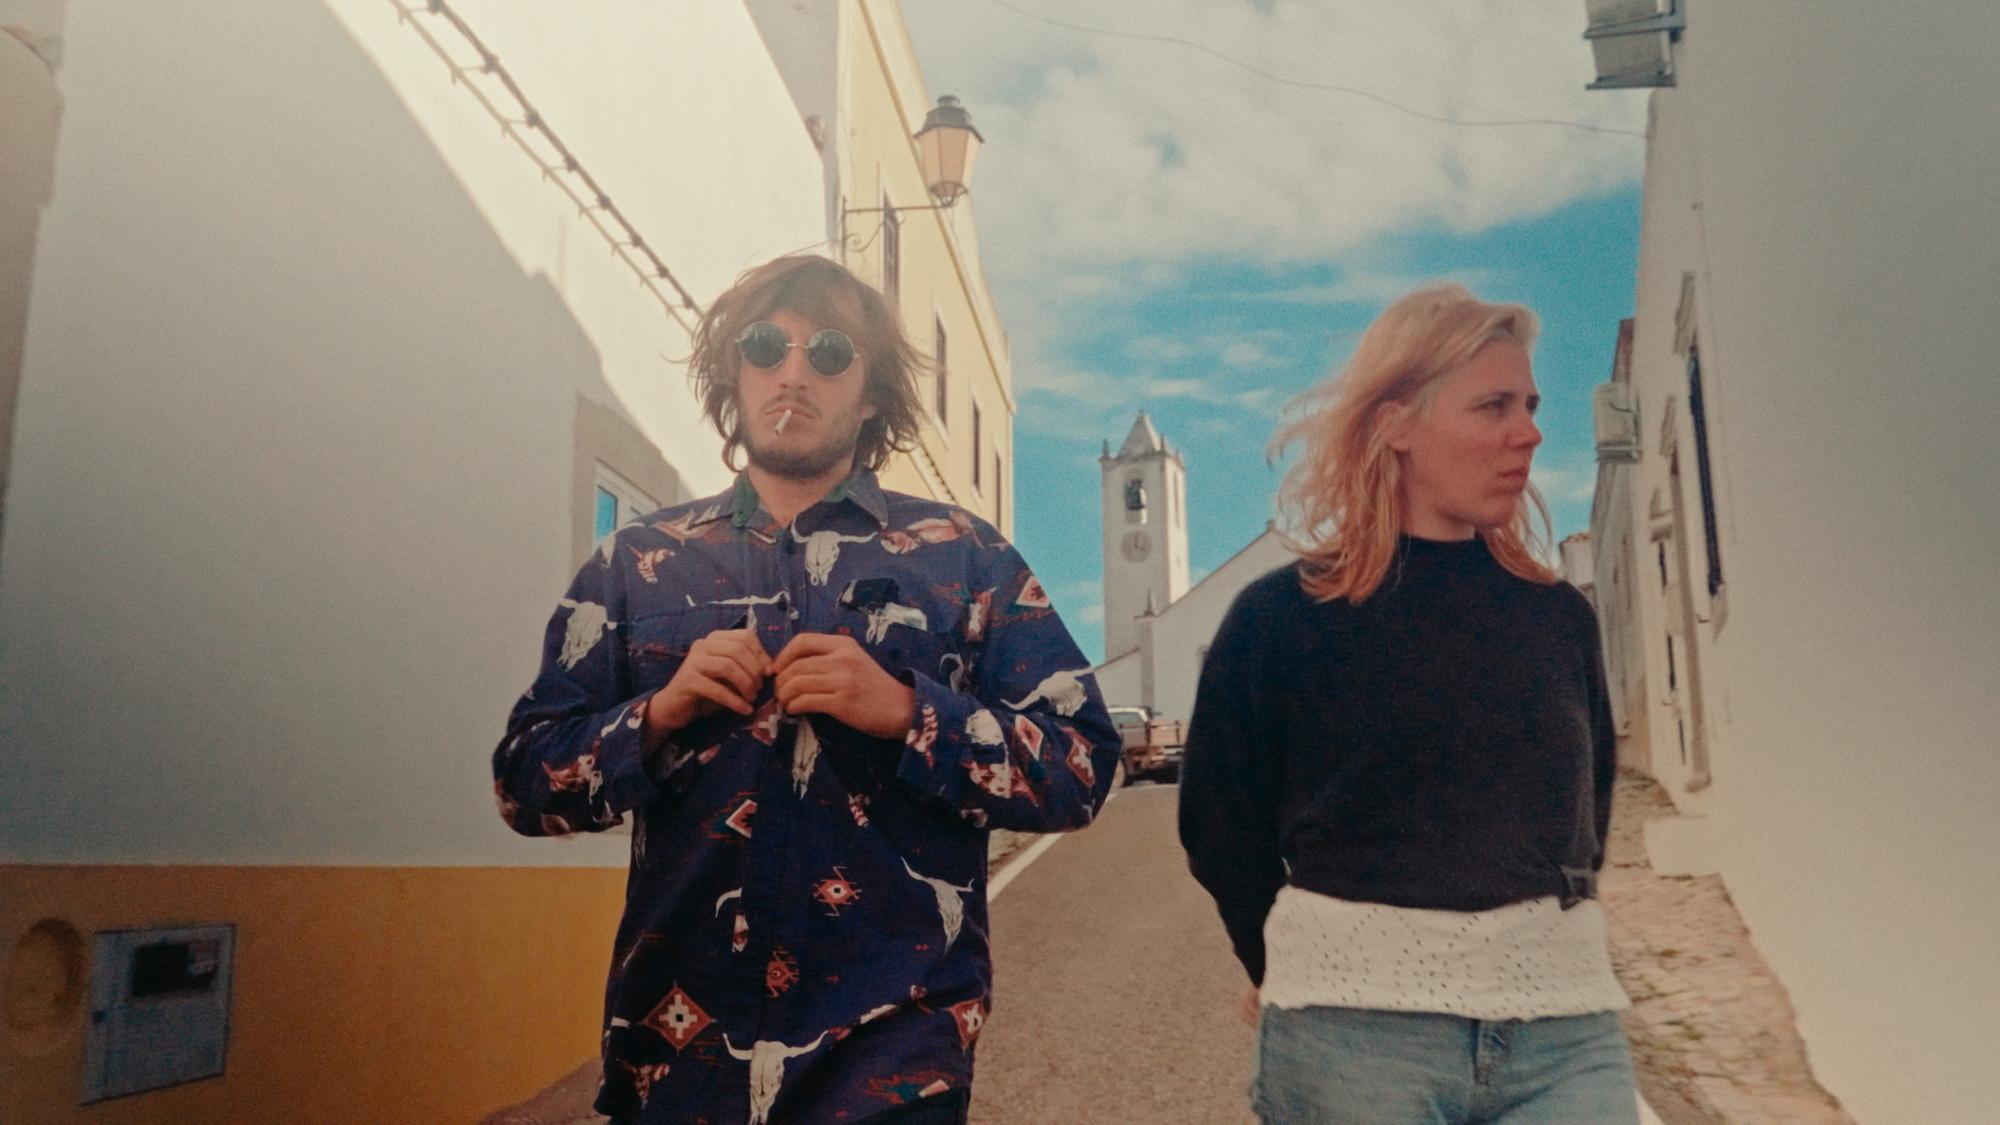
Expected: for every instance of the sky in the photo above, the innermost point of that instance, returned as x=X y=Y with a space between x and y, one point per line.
x=1194 y=207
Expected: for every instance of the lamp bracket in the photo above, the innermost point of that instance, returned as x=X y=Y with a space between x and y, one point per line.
x=879 y=210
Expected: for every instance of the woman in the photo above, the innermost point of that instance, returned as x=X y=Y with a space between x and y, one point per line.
x=1398 y=776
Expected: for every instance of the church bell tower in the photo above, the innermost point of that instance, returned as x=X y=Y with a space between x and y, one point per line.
x=1145 y=533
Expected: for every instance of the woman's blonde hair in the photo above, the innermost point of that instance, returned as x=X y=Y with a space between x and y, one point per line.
x=1342 y=498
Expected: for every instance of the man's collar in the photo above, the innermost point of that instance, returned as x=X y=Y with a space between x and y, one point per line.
x=741 y=503
x=865 y=492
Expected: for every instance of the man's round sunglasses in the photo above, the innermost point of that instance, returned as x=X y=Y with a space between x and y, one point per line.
x=765 y=345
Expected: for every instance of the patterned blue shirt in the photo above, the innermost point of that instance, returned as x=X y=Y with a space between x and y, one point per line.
x=804 y=936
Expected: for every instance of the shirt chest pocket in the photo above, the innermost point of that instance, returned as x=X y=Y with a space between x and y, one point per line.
x=903 y=632
x=657 y=646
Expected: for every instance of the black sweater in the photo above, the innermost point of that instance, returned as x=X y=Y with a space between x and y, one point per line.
x=1446 y=744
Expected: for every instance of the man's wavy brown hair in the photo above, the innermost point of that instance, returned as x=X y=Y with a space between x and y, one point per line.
x=828 y=294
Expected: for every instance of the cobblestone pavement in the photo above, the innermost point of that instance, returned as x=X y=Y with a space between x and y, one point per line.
x=1712 y=1030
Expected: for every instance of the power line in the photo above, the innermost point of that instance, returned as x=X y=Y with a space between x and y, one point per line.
x=1174 y=40
x=591 y=201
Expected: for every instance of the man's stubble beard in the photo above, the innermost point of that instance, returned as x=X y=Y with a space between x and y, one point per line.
x=804 y=464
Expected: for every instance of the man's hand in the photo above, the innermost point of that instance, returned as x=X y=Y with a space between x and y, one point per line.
x=723 y=669
x=1252 y=1009
x=831 y=674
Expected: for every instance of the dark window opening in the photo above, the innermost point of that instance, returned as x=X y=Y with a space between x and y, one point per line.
x=892 y=252
x=939 y=353
x=1698 y=410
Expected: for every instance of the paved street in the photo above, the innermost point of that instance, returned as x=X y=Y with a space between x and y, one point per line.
x=1116 y=993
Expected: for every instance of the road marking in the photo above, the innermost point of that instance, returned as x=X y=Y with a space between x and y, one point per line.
x=1034 y=852
x=1015 y=865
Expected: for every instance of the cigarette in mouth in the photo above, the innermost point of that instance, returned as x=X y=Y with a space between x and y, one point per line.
x=778 y=427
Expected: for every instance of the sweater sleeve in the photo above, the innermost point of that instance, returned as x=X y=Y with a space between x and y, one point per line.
x=1230 y=780
x=1603 y=733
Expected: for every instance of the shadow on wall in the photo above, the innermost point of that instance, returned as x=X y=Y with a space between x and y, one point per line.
x=289 y=506
x=276 y=350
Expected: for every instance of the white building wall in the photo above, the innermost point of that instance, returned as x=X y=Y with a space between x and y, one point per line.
x=1180 y=635
x=1826 y=175
x=1670 y=228
x=1579 y=563
x=27 y=171
x=804 y=41
x=1119 y=680
x=292 y=488
x=1617 y=578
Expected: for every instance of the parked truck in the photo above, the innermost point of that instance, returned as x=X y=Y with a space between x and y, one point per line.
x=1152 y=747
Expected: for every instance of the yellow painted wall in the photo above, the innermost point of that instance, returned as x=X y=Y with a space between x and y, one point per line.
x=383 y=994
x=941 y=277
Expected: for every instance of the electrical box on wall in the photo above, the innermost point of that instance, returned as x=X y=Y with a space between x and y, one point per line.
x=1617 y=421
x=159 y=1009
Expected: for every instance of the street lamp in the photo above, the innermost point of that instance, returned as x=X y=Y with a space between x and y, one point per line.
x=946 y=147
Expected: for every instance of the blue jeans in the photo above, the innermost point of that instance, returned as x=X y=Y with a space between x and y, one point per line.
x=1354 y=1067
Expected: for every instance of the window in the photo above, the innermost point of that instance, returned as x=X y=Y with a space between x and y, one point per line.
x=619 y=502
x=1698 y=414
x=617 y=475
x=975 y=448
x=892 y=251
x=607 y=512
x=938 y=351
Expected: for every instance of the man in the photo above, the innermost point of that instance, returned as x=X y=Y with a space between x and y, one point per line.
x=815 y=698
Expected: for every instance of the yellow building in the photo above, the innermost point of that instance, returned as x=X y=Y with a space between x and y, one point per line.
x=862 y=97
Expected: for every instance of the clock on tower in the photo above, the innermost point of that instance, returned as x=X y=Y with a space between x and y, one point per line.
x=1136 y=546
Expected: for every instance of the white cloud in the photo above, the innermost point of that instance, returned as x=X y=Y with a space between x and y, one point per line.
x=1086 y=594
x=1248 y=353
x=1104 y=150
x=1565 y=484
x=1218 y=360
x=1080 y=588
x=1051 y=417
x=1176 y=388
x=1363 y=288
x=1087 y=405
x=1067 y=383
x=1113 y=168
x=1116 y=172
x=1263 y=400
x=1157 y=349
